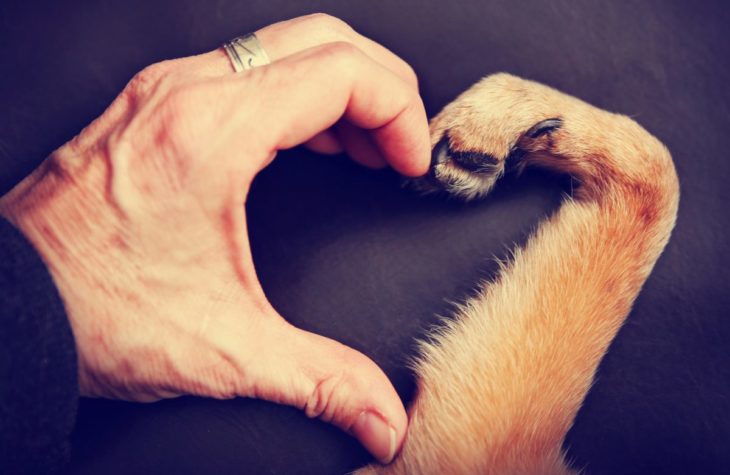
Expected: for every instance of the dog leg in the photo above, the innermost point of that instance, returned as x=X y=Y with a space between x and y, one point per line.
x=500 y=385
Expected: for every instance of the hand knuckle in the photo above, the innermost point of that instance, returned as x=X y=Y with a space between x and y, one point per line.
x=185 y=100
x=343 y=54
x=330 y=23
x=320 y=401
x=171 y=109
x=149 y=79
x=411 y=99
x=411 y=75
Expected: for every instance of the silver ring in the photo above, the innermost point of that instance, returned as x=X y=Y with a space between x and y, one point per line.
x=246 y=52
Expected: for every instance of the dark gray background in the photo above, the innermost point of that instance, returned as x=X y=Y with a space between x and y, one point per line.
x=346 y=252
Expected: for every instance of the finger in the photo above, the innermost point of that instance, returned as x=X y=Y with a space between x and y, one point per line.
x=332 y=382
x=285 y=38
x=337 y=81
x=292 y=36
x=326 y=142
x=273 y=360
x=359 y=146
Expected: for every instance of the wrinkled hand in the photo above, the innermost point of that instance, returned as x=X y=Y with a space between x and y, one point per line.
x=141 y=221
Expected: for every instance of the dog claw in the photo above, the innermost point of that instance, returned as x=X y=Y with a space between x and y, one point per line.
x=475 y=162
x=544 y=127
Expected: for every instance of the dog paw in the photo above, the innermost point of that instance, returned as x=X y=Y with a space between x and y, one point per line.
x=485 y=132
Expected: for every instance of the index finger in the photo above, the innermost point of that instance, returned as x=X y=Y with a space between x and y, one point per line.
x=295 y=98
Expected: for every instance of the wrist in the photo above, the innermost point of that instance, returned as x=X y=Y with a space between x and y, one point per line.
x=59 y=209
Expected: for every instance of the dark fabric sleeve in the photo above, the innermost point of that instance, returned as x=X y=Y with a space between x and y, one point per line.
x=38 y=380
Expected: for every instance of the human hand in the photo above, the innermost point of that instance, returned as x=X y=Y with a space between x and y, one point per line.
x=141 y=221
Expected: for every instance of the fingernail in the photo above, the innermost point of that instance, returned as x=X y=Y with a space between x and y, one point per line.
x=376 y=435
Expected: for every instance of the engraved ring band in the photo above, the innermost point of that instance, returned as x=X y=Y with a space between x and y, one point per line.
x=246 y=52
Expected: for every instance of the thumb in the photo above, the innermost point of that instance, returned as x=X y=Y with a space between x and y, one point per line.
x=335 y=383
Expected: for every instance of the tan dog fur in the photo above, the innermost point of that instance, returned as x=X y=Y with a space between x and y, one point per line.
x=500 y=386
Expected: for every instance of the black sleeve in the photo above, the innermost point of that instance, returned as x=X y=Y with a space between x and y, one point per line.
x=38 y=380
